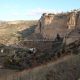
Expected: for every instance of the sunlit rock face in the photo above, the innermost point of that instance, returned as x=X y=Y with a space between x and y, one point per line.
x=72 y=20
x=50 y=25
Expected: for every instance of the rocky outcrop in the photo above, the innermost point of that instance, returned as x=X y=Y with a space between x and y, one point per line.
x=71 y=23
x=50 y=25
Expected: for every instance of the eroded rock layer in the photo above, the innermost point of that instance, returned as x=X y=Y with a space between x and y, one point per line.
x=50 y=25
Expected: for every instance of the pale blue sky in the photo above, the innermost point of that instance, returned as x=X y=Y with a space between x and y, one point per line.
x=32 y=9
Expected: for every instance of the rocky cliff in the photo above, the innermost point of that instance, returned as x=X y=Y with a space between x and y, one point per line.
x=50 y=25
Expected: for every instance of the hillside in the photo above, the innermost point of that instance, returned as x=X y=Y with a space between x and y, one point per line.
x=9 y=31
x=66 y=68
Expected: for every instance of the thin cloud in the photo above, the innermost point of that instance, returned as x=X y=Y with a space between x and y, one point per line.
x=39 y=11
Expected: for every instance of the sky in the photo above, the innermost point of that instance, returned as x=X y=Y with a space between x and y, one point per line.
x=32 y=9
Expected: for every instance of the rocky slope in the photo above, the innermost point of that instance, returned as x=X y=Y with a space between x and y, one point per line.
x=50 y=25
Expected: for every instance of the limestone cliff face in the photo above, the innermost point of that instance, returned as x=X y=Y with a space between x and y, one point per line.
x=72 y=20
x=50 y=25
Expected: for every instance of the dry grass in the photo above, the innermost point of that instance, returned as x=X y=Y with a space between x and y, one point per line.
x=67 y=68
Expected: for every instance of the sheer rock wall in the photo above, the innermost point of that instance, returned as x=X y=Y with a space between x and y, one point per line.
x=50 y=25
